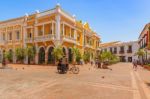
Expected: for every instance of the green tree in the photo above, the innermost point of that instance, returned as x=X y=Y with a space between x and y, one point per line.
x=20 y=54
x=86 y=57
x=108 y=56
x=30 y=51
x=140 y=53
x=9 y=56
x=105 y=56
x=58 y=53
x=76 y=55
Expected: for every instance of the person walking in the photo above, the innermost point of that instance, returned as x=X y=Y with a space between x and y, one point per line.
x=3 y=62
x=91 y=63
x=96 y=63
x=135 y=65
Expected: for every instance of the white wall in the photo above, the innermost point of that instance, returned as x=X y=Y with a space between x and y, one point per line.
x=134 y=45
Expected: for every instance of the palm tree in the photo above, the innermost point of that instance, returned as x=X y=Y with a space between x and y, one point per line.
x=58 y=53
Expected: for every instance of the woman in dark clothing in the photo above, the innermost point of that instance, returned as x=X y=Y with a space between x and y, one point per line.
x=3 y=62
x=59 y=66
x=99 y=64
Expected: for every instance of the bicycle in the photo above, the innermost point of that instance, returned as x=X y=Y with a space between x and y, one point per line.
x=65 y=68
x=74 y=69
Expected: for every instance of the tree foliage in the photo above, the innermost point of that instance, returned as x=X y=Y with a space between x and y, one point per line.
x=9 y=56
x=76 y=54
x=108 y=57
x=86 y=57
x=20 y=54
x=140 y=52
x=58 y=53
x=30 y=51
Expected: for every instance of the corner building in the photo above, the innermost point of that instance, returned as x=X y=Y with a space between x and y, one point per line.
x=126 y=51
x=144 y=42
x=46 y=30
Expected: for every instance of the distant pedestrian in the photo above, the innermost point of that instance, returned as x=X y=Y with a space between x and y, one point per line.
x=96 y=63
x=3 y=62
x=99 y=64
x=134 y=64
x=91 y=63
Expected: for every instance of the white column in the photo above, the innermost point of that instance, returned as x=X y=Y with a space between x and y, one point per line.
x=32 y=32
x=43 y=29
x=1 y=37
x=57 y=27
x=75 y=34
x=63 y=29
x=24 y=35
x=52 y=28
x=24 y=44
x=36 y=31
x=1 y=55
x=70 y=32
x=36 y=56
x=84 y=40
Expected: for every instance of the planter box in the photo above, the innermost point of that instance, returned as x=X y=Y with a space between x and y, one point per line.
x=147 y=67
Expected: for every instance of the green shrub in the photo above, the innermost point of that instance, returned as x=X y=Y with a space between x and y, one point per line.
x=109 y=57
x=58 y=53
x=9 y=56
x=86 y=57
x=20 y=54
x=76 y=54
x=148 y=64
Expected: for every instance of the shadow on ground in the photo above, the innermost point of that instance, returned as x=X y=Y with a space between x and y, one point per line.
x=148 y=84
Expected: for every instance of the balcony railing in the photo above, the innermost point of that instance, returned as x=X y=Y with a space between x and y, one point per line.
x=44 y=38
x=88 y=46
x=129 y=51
x=40 y=38
x=121 y=52
x=68 y=39
x=115 y=52
x=9 y=41
x=29 y=40
x=3 y=42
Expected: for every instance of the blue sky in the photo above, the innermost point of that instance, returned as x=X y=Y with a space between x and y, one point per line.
x=113 y=20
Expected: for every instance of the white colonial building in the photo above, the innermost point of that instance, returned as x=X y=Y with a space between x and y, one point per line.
x=126 y=51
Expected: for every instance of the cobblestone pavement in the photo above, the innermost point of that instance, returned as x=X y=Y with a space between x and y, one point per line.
x=43 y=82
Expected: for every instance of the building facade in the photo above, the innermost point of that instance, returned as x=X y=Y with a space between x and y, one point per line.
x=124 y=50
x=46 y=30
x=144 y=41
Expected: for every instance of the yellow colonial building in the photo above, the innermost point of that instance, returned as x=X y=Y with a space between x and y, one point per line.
x=46 y=30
